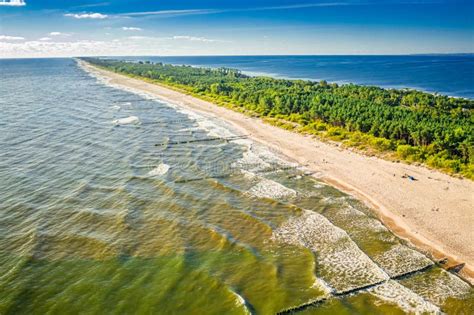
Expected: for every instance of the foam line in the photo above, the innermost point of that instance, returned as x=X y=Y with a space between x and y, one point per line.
x=342 y=264
x=172 y=121
x=401 y=260
x=267 y=188
x=201 y=140
x=133 y=100
x=240 y=301
x=408 y=301
x=161 y=169
x=126 y=121
x=380 y=290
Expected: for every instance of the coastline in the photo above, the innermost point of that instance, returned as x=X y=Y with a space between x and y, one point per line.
x=451 y=93
x=435 y=212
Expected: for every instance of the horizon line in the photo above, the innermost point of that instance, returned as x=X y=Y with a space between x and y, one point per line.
x=243 y=55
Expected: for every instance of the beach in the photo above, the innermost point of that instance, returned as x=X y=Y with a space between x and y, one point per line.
x=431 y=210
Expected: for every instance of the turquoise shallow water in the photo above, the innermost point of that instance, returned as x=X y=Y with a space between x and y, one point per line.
x=100 y=213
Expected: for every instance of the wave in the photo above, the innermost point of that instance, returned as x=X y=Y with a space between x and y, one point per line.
x=437 y=286
x=126 y=121
x=160 y=170
x=342 y=264
x=401 y=259
x=267 y=188
x=407 y=300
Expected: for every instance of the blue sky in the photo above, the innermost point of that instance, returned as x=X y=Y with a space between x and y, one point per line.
x=210 y=27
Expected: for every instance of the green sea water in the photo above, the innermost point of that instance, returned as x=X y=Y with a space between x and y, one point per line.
x=101 y=214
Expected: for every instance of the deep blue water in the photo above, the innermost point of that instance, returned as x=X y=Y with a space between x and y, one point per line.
x=446 y=74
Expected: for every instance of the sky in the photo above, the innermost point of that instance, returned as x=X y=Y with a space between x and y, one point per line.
x=61 y=28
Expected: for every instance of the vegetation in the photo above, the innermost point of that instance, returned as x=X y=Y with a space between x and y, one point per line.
x=411 y=125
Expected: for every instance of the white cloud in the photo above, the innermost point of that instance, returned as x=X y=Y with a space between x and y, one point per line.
x=303 y=6
x=59 y=34
x=171 y=13
x=139 y=37
x=131 y=28
x=13 y=3
x=11 y=38
x=45 y=39
x=87 y=16
x=126 y=46
x=118 y=47
x=195 y=39
x=178 y=38
x=57 y=49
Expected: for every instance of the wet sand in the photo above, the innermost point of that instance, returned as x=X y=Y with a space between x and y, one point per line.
x=435 y=212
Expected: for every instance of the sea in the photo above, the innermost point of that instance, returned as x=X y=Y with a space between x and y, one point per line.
x=451 y=75
x=113 y=201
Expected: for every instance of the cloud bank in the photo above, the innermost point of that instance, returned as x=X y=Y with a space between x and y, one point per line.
x=87 y=16
x=11 y=38
x=131 y=46
x=12 y=3
x=171 y=13
x=195 y=39
x=59 y=34
x=131 y=28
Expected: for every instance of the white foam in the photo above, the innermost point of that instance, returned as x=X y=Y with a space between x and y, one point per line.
x=322 y=285
x=115 y=107
x=359 y=219
x=250 y=161
x=257 y=158
x=240 y=301
x=340 y=261
x=206 y=123
x=440 y=286
x=319 y=185
x=213 y=129
x=160 y=170
x=188 y=129
x=401 y=259
x=270 y=189
x=127 y=120
x=394 y=293
x=334 y=200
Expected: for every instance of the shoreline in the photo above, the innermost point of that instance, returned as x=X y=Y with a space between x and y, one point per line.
x=339 y=82
x=434 y=213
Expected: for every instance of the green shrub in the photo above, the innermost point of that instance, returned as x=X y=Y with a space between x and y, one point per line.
x=337 y=133
x=381 y=144
x=404 y=151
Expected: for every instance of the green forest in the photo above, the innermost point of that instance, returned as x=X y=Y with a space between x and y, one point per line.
x=403 y=124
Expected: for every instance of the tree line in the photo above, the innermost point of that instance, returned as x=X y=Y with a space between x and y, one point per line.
x=434 y=129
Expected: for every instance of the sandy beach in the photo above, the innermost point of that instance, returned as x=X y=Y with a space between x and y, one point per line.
x=435 y=212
